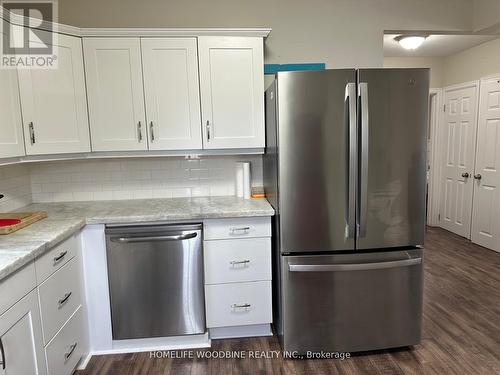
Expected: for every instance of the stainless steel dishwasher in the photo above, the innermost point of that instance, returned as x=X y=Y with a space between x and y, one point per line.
x=155 y=277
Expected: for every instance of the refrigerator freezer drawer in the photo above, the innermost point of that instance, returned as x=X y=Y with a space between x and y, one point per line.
x=352 y=303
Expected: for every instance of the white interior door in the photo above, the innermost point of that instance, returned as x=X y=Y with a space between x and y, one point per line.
x=172 y=93
x=486 y=212
x=459 y=149
x=232 y=91
x=54 y=103
x=11 y=123
x=116 y=99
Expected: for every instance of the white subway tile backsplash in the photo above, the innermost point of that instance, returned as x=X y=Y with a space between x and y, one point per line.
x=137 y=178
x=15 y=186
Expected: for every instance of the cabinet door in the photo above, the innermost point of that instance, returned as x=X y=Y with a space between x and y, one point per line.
x=11 y=136
x=116 y=99
x=172 y=93
x=54 y=103
x=21 y=338
x=485 y=223
x=232 y=91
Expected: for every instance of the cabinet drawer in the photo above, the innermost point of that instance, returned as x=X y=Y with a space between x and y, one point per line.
x=16 y=286
x=65 y=350
x=59 y=298
x=50 y=262
x=247 y=259
x=238 y=304
x=216 y=229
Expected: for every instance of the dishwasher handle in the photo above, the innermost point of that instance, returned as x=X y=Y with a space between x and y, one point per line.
x=177 y=237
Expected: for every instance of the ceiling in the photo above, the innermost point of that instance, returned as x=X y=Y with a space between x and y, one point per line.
x=435 y=45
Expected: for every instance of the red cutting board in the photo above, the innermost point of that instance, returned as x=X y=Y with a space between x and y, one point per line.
x=25 y=219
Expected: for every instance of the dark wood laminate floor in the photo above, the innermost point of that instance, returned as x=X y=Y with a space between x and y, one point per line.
x=461 y=329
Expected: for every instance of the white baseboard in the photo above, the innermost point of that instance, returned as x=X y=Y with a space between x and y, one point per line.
x=84 y=361
x=240 y=331
x=157 y=343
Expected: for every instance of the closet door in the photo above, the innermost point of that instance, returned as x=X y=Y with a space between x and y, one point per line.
x=54 y=103
x=116 y=99
x=485 y=221
x=232 y=91
x=459 y=149
x=172 y=93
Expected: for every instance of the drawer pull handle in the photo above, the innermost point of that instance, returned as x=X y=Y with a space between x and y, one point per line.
x=241 y=229
x=2 y=352
x=60 y=257
x=236 y=262
x=71 y=350
x=240 y=305
x=63 y=300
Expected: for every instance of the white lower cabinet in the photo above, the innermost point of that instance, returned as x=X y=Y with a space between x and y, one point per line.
x=49 y=314
x=67 y=347
x=60 y=297
x=238 y=304
x=238 y=272
x=240 y=260
x=21 y=344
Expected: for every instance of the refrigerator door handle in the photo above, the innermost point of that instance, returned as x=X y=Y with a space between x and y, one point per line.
x=354 y=266
x=363 y=179
x=350 y=99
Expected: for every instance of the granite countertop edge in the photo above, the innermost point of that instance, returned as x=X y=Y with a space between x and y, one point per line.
x=18 y=249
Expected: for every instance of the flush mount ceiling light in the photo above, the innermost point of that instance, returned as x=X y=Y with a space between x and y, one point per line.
x=410 y=41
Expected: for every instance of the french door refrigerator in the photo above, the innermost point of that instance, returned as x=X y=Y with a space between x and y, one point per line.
x=345 y=170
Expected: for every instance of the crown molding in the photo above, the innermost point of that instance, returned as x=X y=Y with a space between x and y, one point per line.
x=16 y=19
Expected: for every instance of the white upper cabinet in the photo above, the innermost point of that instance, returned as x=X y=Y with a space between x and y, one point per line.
x=172 y=96
x=54 y=103
x=232 y=91
x=11 y=131
x=116 y=98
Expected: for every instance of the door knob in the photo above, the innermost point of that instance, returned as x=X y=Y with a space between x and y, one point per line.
x=478 y=176
x=465 y=175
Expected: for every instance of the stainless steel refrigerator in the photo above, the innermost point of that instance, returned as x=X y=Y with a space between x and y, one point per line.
x=345 y=170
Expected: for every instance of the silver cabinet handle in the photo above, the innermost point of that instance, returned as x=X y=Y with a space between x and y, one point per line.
x=151 y=131
x=31 y=128
x=70 y=352
x=350 y=99
x=139 y=131
x=208 y=130
x=240 y=305
x=363 y=182
x=353 y=266
x=2 y=352
x=465 y=175
x=478 y=176
x=60 y=257
x=63 y=300
x=179 y=237
x=235 y=262
x=241 y=229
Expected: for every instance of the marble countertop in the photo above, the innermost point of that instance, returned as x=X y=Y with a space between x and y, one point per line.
x=64 y=219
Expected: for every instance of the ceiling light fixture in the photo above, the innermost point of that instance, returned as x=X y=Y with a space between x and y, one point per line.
x=410 y=42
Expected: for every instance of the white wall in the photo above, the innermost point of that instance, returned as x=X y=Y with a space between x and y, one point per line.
x=15 y=185
x=341 y=33
x=110 y=179
x=434 y=63
x=472 y=64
